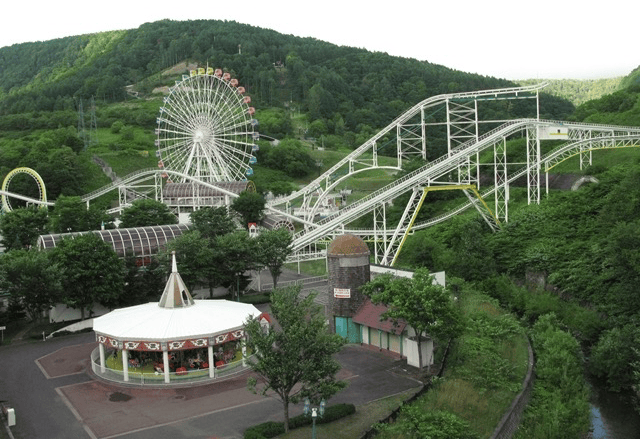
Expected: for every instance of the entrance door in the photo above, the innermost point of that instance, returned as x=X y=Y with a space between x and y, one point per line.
x=347 y=329
x=353 y=333
x=342 y=327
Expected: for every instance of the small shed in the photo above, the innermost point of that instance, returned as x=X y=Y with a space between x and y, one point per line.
x=383 y=334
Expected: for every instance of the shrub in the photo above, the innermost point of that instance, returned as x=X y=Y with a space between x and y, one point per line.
x=336 y=412
x=271 y=429
x=265 y=430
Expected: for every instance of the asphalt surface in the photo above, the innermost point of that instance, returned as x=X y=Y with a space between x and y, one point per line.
x=71 y=403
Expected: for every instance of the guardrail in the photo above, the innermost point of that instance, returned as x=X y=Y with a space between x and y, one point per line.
x=289 y=283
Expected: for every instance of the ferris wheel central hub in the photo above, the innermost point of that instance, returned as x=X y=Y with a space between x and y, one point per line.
x=198 y=137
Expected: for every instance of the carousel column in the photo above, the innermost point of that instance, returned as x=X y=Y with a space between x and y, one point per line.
x=244 y=352
x=212 y=366
x=102 y=361
x=125 y=364
x=165 y=361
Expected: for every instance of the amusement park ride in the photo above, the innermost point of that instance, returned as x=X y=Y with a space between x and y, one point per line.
x=206 y=135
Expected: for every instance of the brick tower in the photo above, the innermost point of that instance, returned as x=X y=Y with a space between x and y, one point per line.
x=349 y=269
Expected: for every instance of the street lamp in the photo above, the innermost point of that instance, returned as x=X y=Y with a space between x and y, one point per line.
x=314 y=412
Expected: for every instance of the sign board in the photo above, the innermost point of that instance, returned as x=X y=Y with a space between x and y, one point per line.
x=2 y=328
x=342 y=293
x=554 y=132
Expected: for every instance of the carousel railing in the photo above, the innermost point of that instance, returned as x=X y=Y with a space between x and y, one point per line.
x=175 y=378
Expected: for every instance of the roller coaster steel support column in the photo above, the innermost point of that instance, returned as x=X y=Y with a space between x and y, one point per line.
x=462 y=122
x=379 y=233
x=404 y=225
x=482 y=207
x=413 y=208
x=500 y=179
x=158 y=187
x=423 y=134
x=533 y=165
x=585 y=152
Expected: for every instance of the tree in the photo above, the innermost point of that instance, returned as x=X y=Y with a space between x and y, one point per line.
x=235 y=254
x=70 y=214
x=295 y=362
x=274 y=246
x=212 y=221
x=147 y=212
x=191 y=256
x=616 y=359
x=250 y=206
x=90 y=272
x=426 y=307
x=21 y=228
x=32 y=278
x=142 y=284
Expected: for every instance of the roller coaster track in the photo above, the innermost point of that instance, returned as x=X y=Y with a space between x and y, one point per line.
x=431 y=172
x=456 y=168
x=408 y=143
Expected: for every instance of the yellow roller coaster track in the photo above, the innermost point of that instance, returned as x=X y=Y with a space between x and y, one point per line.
x=6 y=206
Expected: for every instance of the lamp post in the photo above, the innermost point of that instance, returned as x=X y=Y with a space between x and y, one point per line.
x=314 y=412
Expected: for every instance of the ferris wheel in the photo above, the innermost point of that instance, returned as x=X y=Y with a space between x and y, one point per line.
x=206 y=128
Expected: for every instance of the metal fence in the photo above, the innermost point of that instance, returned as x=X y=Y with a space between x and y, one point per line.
x=302 y=282
x=175 y=378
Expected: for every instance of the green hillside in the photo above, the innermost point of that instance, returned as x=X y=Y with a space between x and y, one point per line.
x=302 y=88
x=579 y=91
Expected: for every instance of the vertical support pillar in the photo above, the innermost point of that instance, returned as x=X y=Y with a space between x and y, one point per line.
x=212 y=366
x=102 y=360
x=125 y=364
x=399 y=145
x=500 y=179
x=546 y=180
x=448 y=128
x=423 y=131
x=165 y=362
x=533 y=165
x=244 y=352
x=379 y=234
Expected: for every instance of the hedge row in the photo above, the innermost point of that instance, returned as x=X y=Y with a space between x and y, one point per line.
x=272 y=429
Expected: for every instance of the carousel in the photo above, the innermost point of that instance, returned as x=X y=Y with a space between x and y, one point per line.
x=178 y=339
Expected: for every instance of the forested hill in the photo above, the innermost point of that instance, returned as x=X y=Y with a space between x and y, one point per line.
x=370 y=88
x=579 y=91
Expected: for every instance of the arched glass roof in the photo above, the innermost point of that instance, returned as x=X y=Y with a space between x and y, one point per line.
x=135 y=241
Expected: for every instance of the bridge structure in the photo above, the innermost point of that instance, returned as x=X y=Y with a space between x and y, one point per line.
x=482 y=157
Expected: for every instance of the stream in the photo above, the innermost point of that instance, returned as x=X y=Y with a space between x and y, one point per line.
x=612 y=417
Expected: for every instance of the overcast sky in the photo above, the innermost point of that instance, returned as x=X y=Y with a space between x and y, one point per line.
x=544 y=39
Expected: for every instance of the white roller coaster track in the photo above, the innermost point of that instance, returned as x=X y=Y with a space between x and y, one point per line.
x=436 y=169
x=584 y=138
x=324 y=183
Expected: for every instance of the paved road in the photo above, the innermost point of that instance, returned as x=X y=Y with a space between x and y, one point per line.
x=40 y=413
x=77 y=406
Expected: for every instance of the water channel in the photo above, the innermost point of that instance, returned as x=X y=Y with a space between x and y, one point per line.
x=612 y=416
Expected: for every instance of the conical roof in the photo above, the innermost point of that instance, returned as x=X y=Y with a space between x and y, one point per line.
x=176 y=294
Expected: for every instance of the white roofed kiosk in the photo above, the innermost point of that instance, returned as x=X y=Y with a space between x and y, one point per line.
x=176 y=327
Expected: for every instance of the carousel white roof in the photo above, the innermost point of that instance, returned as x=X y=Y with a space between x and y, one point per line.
x=176 y=317
x=150 y=322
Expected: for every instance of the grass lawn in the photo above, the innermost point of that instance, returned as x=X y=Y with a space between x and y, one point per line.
x=356 y=425
x=484 y=371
